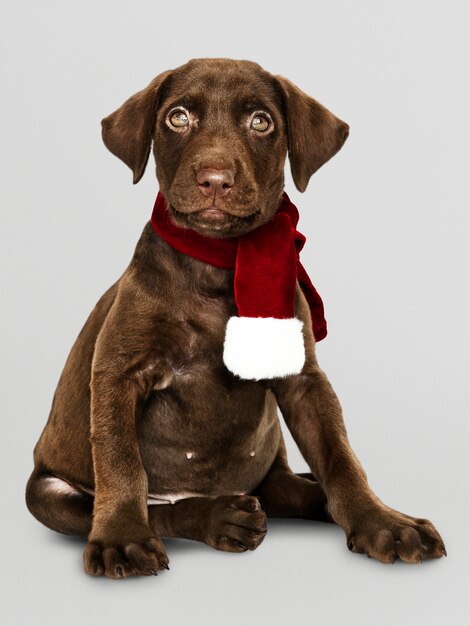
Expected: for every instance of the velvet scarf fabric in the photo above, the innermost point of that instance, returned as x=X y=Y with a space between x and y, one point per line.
x=266 y=263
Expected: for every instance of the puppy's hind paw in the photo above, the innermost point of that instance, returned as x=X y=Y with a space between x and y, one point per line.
x=237 y=524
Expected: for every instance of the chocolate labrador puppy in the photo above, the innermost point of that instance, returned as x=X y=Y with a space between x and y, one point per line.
x=150 y=435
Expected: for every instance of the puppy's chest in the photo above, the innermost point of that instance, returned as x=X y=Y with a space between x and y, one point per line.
x=194 y=396
x=186 y=374
x=189 y=340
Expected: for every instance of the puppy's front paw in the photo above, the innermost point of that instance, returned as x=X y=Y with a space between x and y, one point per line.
x=387 y=535
x=120 y=559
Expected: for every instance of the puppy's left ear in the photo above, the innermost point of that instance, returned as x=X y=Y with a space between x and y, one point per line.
x=314 y=133
x=127 y=132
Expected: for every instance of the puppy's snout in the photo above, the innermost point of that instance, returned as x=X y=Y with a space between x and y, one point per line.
x=215 y=183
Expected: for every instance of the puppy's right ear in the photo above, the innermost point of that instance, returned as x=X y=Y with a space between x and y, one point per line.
x=127 y=132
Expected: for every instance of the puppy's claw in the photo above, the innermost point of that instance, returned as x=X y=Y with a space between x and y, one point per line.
x=241 y=545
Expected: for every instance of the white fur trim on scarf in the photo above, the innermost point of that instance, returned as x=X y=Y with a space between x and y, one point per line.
x=264 y=347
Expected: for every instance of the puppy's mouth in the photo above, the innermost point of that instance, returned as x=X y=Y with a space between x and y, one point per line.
x=215 y=221
x=213 y=214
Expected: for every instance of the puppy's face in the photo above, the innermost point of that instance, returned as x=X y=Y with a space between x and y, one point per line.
x=220 y=145
x=221 y=130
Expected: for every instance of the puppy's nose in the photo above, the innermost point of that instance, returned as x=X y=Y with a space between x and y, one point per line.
x=215 y=183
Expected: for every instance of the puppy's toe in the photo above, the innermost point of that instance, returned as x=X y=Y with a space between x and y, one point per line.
x=93 y=560
x=115 y=563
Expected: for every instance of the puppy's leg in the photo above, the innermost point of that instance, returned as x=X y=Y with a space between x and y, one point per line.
x=285 y=494
x=230 y=523
x=58 y=505
x=314 y=417
x=122 y=377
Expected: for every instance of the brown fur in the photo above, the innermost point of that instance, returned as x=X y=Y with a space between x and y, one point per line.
x=145 y=383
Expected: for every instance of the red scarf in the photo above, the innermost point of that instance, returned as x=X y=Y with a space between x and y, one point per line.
x=266 y=263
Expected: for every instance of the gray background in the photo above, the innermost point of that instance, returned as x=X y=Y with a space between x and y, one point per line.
x=387 y=221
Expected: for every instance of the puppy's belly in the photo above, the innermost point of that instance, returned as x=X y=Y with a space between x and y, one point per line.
x=190 y=451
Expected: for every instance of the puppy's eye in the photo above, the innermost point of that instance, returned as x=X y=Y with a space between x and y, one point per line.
x=260 y=123
x=179 y=118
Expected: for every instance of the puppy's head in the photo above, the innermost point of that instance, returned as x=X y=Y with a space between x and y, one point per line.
x=220 y=131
